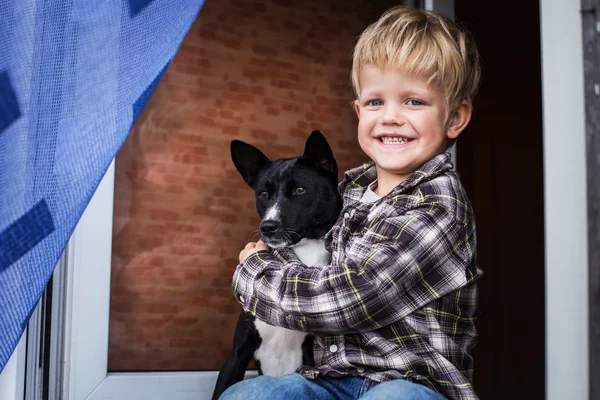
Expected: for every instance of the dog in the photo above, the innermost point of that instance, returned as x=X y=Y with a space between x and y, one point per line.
x=298 y=203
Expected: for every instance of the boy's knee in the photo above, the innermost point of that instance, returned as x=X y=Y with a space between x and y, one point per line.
x=261 y=387
x=401 y=389
x=247 y=389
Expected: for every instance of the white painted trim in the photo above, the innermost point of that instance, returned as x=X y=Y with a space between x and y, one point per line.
x=88 y=295
x=58 y=326
x=12 y=378
x=567 y=369
x=33 y=372
x=196 y=385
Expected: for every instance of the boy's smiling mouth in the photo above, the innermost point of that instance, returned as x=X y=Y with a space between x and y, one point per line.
x=394 y=139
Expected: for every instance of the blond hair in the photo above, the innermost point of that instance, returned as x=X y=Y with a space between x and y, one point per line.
x=425 y=44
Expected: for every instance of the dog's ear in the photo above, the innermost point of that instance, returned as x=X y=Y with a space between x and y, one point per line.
x=248 y=160
x=318 y=152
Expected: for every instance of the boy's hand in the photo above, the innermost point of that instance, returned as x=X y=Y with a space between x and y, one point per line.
x=252 y=248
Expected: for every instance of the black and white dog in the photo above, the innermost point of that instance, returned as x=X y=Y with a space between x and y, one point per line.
x=298 y=202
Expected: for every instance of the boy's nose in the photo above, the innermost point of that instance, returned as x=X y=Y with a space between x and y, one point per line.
x=392 y=115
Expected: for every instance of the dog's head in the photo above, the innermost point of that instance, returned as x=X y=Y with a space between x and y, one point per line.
x=296 y=198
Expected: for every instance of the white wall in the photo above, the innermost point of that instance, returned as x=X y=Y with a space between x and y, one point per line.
x=12 y=378
x=567 y=372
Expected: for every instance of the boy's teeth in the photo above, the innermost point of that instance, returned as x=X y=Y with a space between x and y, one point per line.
x=393 y=140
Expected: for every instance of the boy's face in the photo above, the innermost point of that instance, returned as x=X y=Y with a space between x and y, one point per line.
x=403 y=123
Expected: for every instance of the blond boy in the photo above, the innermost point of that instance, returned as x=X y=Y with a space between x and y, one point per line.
x=394 y=313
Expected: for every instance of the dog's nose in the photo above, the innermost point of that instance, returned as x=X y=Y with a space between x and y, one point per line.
x=269 y=227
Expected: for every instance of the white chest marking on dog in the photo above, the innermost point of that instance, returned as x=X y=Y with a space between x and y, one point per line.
x=312 y=252
x=280 y=352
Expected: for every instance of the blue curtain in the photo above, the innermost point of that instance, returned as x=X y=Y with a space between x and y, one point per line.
x=74 y=76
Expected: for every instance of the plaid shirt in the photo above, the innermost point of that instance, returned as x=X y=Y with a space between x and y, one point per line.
x=399 y=300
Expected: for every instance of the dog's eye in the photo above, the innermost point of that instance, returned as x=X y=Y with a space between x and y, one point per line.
x=263 y=195
x=298 y=191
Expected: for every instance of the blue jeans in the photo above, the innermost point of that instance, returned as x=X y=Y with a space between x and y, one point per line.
x=296 y=387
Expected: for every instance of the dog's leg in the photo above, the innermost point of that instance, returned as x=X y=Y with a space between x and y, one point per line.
x=245 y=343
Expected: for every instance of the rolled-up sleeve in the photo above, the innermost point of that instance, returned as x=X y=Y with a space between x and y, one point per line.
x=398 y=265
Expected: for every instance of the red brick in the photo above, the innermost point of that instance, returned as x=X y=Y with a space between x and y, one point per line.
x=264 y=50
x=263 y=134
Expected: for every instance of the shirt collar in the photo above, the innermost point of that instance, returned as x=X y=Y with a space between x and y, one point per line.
x=358 y=179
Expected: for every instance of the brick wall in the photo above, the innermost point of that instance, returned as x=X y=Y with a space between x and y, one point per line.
x=266 y=72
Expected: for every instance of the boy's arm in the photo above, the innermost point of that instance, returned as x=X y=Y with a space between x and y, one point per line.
x=400 y=265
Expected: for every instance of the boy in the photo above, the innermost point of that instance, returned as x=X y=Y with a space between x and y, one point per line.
x=394 y=313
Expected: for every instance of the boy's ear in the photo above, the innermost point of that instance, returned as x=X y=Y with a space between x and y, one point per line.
x=248 y=160
x=356 y=108
x=459 y=120
x=318 y=153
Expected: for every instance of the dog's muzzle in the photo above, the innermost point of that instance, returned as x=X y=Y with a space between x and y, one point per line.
x=269 y=228
x=272 y=234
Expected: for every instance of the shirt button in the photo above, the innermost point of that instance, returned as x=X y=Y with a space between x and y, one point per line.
x=360 y=370
x=241 y=299
x=333 y=348
x=347 y=214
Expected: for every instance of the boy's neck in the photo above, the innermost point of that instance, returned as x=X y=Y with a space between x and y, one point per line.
x=386 y=181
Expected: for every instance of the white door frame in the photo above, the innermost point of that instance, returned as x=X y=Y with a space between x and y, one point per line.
x=12 y=378
x=565 y=198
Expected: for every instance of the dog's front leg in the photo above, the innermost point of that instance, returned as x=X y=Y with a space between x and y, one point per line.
x=245 y=343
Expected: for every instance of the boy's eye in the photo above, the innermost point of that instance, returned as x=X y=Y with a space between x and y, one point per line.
x=414 y=102
x=375 y=103
x=299 y=191
x=263 y=195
